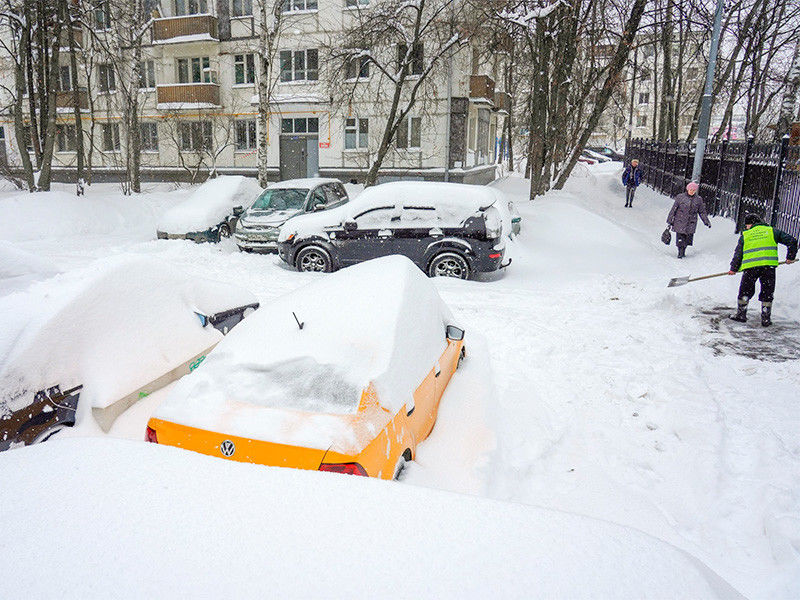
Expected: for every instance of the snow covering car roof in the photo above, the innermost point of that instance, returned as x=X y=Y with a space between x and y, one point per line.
x=454 y=202
x=210 y=204
x=305 y=183
x=112 y=328
x=379 y=322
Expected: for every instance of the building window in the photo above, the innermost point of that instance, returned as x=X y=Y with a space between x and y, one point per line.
x=102 y=14
x=65 y=78
x=300 y=125
x=409 y=133
x=148 y=136
x=299 y=65
x=105 y=73
x=645 y=74
x=417 y=64
x=357 y=67
x=110 y=137
x=191 y=7
x=644 y=97
x=246 y=134
x=195 y=136
x=242 y=8
x=65 y=138
x=195 y=70
x=147 y=75
x=356 y=133
x=298 y=5
x=641 y=120
x=356 y=3
x=244 y=67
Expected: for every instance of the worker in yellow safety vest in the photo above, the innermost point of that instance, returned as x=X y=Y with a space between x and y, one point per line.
x=756 y=255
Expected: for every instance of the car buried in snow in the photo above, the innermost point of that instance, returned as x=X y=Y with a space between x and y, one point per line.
x=349 y=382
x=105 y=338
x=211 y=212
x=258 y=227
x=446 y=229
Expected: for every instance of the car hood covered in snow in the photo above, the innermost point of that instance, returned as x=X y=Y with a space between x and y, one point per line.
x=266 y=218
x=111 y=328
x=210 y=204
x=379 y=322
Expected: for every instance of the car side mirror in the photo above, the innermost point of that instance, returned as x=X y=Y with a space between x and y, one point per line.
x=454 y=333
x=350 y=225
x=238 y=210
x=318 y=207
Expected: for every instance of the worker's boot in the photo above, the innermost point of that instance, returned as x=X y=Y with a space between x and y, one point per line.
x=741 y=311
x=766 y=314
x=681 y=251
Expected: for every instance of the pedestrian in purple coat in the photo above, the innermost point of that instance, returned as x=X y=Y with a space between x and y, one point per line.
x=683 y=216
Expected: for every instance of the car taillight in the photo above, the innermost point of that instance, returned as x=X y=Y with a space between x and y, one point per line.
x=497 y=255
x=346 y=468
x=150 y=435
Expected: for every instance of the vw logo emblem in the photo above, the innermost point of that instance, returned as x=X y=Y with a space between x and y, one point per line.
x=227 y=448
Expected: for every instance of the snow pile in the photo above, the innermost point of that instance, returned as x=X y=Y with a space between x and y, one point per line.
x=201 y=527
x=17 y=265
x=112 y=328
x=210 y=204
x=379 y=322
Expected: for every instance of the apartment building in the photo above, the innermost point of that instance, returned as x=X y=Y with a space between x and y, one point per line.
x=199 y=101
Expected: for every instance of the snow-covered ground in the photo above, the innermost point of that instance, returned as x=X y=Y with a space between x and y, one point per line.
x=619 y=438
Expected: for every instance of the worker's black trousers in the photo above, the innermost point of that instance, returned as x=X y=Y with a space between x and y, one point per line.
x=766 y=275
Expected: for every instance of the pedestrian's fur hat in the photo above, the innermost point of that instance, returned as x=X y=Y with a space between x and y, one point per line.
x=692 y=187
x=635 y=160
x=751 y=219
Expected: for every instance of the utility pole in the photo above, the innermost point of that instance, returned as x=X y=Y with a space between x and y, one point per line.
x=449 y=97
x=705 y=109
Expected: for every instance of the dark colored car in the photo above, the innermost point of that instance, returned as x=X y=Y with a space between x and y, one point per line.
x=50 y=411
x=446 y=229
x=606 y=151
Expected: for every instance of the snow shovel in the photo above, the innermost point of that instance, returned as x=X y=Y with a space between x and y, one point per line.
x=676 y=281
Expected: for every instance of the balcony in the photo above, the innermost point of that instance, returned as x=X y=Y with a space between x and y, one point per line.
x=481 y=89
x=189 y=28
x=176 y=96
x=502 y=102
x=65 y=101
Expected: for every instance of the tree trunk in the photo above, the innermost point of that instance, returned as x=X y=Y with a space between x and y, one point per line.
x=790 y=95
x=50 y=129
x=614 y=70
x=19 y=124
x=73 y=65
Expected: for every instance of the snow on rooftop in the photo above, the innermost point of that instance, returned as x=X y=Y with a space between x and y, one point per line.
x=210 y=204
x=379 y=322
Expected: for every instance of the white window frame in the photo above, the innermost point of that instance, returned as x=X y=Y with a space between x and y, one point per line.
x=406 y=132
x=207 y=74
x=205 y=137
x=299 y=6
x=113 y=128
x=358 y=128
x=153 y=127
x=248 y=65
x=358 y=63
x=107 y=79
x=293 y=69
x=147 y=71
x=66 y=143
x=245 y=8
x=250 y=139
x=356 y=4
x=295 y=121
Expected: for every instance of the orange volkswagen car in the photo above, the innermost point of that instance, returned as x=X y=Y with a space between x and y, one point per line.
x=343 y=375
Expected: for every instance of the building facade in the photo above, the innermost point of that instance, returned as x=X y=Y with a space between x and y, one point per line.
x=199 y=102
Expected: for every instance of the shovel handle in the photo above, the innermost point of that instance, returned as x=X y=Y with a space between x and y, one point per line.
x=721 y=274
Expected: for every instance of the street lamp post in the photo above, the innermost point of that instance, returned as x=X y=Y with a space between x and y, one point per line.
x=705 y=109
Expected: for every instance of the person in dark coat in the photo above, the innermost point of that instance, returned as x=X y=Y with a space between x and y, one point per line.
x=683 y=216
x=756 y=255
x=631 y=177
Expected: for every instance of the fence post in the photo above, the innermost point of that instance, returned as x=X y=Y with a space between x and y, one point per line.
x=775 y=207
x=739 y=216
x=722 y=149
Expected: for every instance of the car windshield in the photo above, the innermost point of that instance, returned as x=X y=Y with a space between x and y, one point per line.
x=281 y=199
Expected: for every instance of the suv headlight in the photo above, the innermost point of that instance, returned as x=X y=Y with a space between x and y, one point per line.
x=493 y=223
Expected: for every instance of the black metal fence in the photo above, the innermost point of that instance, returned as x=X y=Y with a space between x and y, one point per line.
x=737 y=178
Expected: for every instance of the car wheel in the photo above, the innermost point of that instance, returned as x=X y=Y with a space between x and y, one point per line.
x=224 y=232
x=401 y=463
x=449 y=264
x=313 y=259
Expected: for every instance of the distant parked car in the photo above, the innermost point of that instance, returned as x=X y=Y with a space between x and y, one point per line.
x=601 y=158
x=446 y=229
x=607 y=152
x=586 y=159
x=110 y=336
x=257 y=229
x=344 y=375
x=211 y=212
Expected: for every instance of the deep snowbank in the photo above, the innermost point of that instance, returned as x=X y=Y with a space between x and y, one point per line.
x=129 y=520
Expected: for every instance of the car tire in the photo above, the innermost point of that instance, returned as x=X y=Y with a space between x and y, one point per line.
x=313 y=259
x=449 y=264
x=401 y=463
x=224 y=232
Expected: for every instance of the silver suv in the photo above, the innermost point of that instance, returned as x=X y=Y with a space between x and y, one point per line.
x=257 y=228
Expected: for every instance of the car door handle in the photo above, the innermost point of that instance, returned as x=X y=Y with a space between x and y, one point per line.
x=437 y=371
x=384 y=233
x=410 y=412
